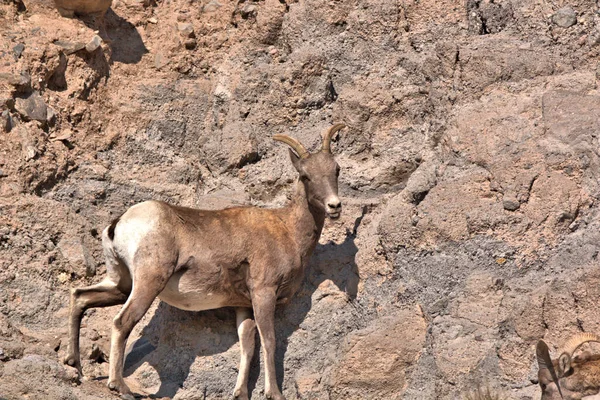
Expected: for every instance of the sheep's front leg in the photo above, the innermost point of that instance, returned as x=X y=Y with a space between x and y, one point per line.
x=246 y=328
x=264 y=302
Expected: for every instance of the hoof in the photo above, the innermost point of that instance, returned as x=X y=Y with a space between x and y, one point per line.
x=70 y=361
x=240 y=395
x=122 y=389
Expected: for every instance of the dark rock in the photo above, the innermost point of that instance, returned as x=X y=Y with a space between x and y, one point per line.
x=32 y=107
x=565 y=17
x=510 y=203
x=6 y=121
x=18 y=50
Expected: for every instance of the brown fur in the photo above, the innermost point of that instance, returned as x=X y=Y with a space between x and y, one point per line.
x=245 y=257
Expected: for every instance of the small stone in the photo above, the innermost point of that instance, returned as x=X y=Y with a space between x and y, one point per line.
x=51 y=116
x=212 y=6
x=21 y=81
x=510 y=203
x=93 y=44
x=18 y=50
x=186 y=29
x=32 y=107
x=29 y=152
x=2 y=174
x=160 y=60
x=565 y=17
x=70 y=47
x=249 y=10
x=63 y=277
x=64 y=135
x=152 y=20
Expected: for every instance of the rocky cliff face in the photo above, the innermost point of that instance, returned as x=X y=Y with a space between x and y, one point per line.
x=469 y=178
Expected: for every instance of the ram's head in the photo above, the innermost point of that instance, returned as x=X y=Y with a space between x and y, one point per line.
x=569 y=377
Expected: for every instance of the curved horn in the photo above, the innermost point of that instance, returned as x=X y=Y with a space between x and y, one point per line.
x=577 y=340
x=545 y=362
x=328 y=134
x=293 y=143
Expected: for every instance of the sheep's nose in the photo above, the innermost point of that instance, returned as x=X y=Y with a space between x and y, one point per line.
x=335 y=204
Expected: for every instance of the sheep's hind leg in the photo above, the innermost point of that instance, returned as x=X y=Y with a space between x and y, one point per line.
x=246 y=328
x=145 y=290
x=104 y=294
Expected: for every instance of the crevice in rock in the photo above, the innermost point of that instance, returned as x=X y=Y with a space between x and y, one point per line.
x=248 y=158
x=419 y=197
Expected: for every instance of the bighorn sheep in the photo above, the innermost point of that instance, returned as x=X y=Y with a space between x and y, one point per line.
x=569 y=378
x=246 y=257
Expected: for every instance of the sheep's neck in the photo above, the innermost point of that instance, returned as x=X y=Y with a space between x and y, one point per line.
x=308 y=222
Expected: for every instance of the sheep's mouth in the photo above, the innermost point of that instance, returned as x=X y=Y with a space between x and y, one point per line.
x=334 y=215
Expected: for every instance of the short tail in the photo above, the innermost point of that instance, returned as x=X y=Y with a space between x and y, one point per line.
x=111 y=228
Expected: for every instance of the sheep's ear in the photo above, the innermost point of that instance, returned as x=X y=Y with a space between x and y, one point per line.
x=295 y=160
x=564 y=364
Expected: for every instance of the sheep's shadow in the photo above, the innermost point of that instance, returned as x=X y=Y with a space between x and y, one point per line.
x=200 y=334
x=122 y=36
